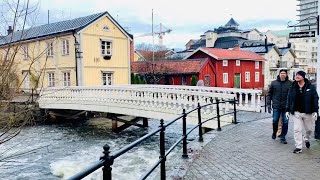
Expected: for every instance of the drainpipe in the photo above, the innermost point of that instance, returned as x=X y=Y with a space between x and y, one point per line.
x=76 y=59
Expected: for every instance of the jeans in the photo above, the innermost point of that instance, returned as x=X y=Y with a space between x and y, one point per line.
x=276 y=115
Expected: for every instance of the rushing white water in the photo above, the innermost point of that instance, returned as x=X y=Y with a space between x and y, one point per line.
x=60 y=151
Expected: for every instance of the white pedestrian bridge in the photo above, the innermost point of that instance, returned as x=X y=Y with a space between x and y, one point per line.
x=152 y=101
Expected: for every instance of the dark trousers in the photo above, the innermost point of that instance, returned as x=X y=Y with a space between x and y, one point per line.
x=276 y=115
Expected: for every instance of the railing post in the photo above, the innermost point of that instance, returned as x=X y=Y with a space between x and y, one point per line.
x=184 y=134
x=234 y=111
x=199 y=122
x=265 y=103
x=32 y=95
x=162 y=151
x=107 y=164
x=218 y=115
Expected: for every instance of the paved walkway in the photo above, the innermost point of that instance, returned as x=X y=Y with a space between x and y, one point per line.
x=247 y=151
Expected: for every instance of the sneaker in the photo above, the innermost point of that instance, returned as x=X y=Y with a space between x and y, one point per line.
x=307 y=144
x=273 y=135
x=283 y=141
x=297 y=151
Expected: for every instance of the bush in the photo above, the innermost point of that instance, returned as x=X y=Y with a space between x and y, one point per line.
x=194 y=80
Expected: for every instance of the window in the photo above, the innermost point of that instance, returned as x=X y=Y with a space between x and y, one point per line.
x=256 y=65
x=50 y=49
x=106 y=48
x=237 y=62
x=247 y=77
x=225 y=78
x=51 y=79
x=25 y=52
x=313 y=40
x=65 y=47
x=207 y=80
x=183 y=80
x=107 y=78
x=66 y=79
x=225 y=63
x=257 y=77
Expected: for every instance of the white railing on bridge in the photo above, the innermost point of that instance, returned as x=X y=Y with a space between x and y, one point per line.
x=248 y=99
x=139 y=101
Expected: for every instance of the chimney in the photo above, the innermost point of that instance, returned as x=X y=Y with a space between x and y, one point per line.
x=266 y=43
x=236 y=47
x=10 y=30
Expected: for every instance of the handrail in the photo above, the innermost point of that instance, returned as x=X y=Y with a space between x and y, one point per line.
x=107 y=160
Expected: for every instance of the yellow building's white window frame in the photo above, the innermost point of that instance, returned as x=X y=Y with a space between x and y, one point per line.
x=66 y=78
x=65 y=47
x=106 y=47
x=107 y=78
x=50 y=49
x=51 y=79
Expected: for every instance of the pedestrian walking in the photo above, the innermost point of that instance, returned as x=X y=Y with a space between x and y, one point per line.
x=276 y=101
x=302 y=108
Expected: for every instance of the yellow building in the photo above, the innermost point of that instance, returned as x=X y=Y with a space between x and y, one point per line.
x=87 y=51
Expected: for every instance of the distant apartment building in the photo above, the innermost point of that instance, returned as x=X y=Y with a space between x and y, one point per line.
x=307 y=9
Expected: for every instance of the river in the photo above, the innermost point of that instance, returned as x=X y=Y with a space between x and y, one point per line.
x=61 y=150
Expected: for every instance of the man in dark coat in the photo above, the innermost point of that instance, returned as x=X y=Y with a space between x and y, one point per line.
x=302 y=107
x=277 y=94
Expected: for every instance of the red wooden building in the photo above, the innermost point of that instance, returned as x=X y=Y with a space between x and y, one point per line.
x=216 y=67
x=175 y=72
x=232 y=67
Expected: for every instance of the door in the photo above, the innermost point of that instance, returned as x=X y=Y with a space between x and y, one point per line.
x=237 y=80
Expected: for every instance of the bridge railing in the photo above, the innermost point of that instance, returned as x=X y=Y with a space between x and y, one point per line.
x=150 y=102
x=248 y=99
x=106 y=161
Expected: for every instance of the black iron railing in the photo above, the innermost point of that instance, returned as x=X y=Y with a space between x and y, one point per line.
x=108 y=158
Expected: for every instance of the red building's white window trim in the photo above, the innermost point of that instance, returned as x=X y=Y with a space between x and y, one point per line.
x=224 y=62
x=225 y=78
x=237 y=62
x=256 y=65
x=247 y=77
x=257 y=77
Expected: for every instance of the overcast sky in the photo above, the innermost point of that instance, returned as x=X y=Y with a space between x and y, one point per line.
x=187 y=19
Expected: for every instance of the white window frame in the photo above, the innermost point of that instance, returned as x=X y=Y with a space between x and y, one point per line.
x=207 y=77
x=65 y=47
x=25 y=52
x=224 y=62
x=107 y=82
x=247 y=77
x=257 y=77
x=256 y=64
x=237 y=62
x=225 y=78
x=50 y=49
x=51 y=79
x=104 y=47
x=66 y=77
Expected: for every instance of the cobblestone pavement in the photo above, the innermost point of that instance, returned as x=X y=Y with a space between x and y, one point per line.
x=247 y=151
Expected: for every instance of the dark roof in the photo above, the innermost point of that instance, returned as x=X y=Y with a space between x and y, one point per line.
x=228 y=42
x=284 y=51
x=231 y=23
x=199 y=43
x=55 y=28
x=258 y=49
x=189 y=66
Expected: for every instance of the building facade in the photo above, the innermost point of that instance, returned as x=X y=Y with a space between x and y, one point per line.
x=87 y=51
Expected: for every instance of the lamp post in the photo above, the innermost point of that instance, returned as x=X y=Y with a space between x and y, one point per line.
x=318 y=54
x=77 y=56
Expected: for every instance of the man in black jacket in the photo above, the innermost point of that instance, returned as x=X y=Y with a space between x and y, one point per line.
x=277 y=94
x=302 y=107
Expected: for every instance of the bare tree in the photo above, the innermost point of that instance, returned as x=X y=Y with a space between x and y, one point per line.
x=18 y=14
x=146 y=50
